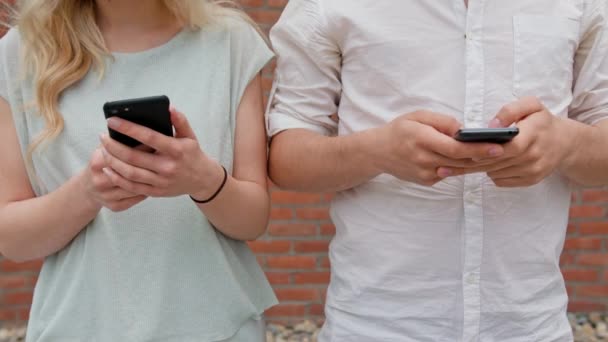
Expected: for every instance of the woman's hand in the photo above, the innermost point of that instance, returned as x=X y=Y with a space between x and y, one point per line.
x=101 y=188
x=177 y=167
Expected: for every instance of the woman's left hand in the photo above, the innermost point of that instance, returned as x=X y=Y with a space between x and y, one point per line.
x=177 y=167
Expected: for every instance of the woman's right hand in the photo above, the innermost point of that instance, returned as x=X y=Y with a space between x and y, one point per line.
x=103 y=191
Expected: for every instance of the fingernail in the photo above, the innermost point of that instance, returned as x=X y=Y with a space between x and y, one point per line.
x=495 y=123
x=495 y=151
x=444 y=173
x=106 y=171
x=113 y=123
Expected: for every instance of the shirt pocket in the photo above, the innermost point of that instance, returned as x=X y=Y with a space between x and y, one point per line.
x=544 y=48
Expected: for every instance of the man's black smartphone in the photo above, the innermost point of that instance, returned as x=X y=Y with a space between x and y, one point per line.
x=152 y=112
x=489 y=135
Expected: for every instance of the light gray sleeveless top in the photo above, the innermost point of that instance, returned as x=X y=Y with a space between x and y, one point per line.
x=158 y=271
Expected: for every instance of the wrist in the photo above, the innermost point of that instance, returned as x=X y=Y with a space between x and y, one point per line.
x=579 y=136
x=87 y=198
x=372 y=145
x=212 y=180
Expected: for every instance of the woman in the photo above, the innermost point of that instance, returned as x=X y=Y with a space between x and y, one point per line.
x=139 y=244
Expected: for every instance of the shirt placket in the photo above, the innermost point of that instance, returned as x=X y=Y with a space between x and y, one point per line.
x=472 y=195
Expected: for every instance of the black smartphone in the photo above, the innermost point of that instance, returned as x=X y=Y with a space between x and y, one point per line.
x=489 y=135
x=152 y=112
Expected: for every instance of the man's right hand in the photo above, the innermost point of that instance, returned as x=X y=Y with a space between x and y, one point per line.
x=419 y=147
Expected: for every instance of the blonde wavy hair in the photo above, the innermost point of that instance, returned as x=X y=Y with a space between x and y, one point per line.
x=61 y=42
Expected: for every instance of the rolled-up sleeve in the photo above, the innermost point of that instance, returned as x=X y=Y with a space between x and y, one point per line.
x=306 y=91
x=590 y=91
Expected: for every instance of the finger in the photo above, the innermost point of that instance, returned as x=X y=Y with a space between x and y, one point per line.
x=516 y=111
x=136 y=188
x=132 y=173
x=181 y=125
x=131 y=156
x=97 y=162
x=442 y=123
x=125 y=204
x=117 y=194
x=145 y=135
x=453 y=149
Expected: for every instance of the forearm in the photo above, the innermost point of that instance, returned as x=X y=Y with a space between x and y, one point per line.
x=305 y=161
x=38 y=227
x=240 y=210
x=587 y=164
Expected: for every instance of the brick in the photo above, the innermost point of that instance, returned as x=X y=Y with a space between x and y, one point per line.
x=16 y=298
x=269 y=247
x=285 y=197
x=286 y=310
x=317 y=310
x=595 y=196
x=312 y=246
x=586 y=211
x=595 y=259
x=583 y=244
x=328 y=229
x=313 y=213
x=291 y=262
x=281 y=214
x=292 y=229
x=312 y=278
x=261 y=261
x=594 y=228
x=7 y=315
x=13 y=282
x=296 y=294
x=324 y=262
x=592 y=291
x=572 y=229
x=23 y=314
x=278 y=278
x=585 y=306
x=9 y=266
x=580 y=275
x=567 y=259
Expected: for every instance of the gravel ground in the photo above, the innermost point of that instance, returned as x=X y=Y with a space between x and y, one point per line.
x=587 y=328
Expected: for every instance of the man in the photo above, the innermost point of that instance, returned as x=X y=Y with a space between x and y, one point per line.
x=439 y=240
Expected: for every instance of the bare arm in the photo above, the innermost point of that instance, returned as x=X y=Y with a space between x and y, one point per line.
x=242 y=209
x=33 y=227
x=306 y=161
x=413 y=148
x=179 y=167
x=588 y=163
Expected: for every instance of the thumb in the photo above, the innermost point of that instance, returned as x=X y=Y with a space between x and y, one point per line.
x=516 y=111
x=443 y=123
x=181 y=125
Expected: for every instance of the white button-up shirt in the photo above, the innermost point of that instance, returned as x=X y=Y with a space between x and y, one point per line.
x=463 y=260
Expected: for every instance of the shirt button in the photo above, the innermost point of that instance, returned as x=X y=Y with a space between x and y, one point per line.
x=472 y=279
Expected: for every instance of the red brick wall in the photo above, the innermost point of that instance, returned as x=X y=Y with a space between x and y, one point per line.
x=294 y=251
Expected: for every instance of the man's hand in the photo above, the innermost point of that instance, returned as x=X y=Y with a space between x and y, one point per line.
x=420 y=148
x=543 y=143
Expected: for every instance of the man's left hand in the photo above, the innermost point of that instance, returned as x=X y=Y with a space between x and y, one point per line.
x=542 y=144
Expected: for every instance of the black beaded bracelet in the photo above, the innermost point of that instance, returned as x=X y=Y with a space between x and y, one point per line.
x=216 y=193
